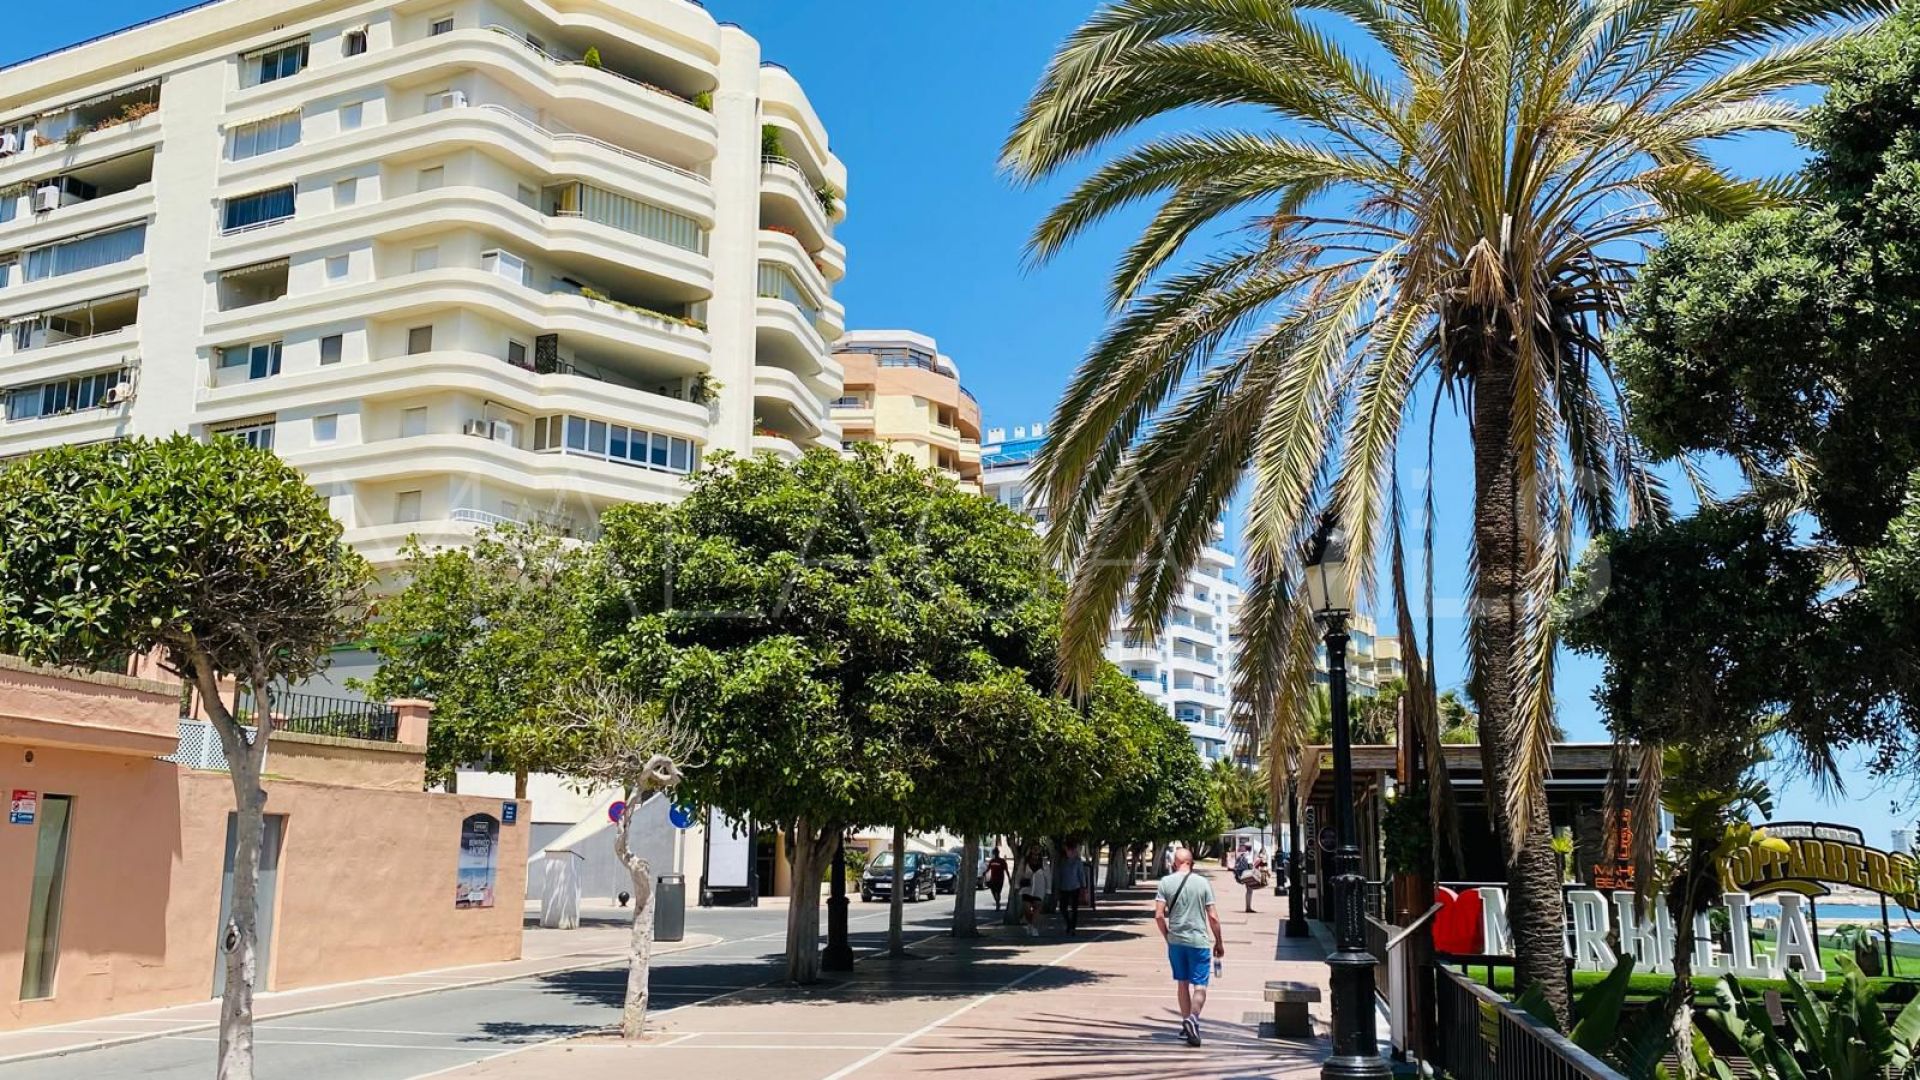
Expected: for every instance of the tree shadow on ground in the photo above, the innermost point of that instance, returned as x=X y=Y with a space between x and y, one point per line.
x=1081 y=1047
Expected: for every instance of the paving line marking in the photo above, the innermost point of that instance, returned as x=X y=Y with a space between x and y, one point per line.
x=316 y=1042
x=961 y=1011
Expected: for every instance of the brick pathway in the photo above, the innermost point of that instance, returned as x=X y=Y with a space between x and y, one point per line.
x=1097 y=1005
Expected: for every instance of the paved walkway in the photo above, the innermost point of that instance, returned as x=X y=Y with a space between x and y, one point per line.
x=1097 y=1005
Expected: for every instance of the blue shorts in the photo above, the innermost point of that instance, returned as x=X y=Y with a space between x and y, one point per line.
x=1191 y=963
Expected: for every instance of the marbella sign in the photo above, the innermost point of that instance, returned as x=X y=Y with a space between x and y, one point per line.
x=1603 y=925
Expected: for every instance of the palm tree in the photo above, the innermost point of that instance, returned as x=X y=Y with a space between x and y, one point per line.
x=1440 y=198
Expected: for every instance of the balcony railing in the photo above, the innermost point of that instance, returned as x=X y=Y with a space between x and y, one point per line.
x=1482 y=1036
x=588 y=140
x=559 y=523
x=566 y=62
x=340 y=718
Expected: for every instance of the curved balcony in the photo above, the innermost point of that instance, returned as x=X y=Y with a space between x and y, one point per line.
x=675 y=271
x=785 y=390
x=75 y=357
x=32 y=229
x=787 y=199
x=784 y=104
x=1189 y=695
x=672 y=346
x=786 y=251
x=96 y=146
x=778 y=445
x=586 y=478
x=479 y=374
x=785 y=337
x=552 y=155
x=28 y=297
x=595 y=101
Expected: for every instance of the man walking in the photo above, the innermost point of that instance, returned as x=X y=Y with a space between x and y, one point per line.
x=996 y=876
x=1184 y=911
x=1073 y=881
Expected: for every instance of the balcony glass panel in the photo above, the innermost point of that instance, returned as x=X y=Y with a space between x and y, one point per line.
x=626 y=214
x=86 y=253
x=778 y=283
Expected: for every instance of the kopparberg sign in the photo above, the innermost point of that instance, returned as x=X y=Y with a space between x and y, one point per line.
x=1650 y=941
x=1817 y=855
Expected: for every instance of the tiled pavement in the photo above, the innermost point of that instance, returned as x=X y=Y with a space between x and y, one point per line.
x=1097 y=1005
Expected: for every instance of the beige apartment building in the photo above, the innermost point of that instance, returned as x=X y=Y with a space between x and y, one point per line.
x=902 y=392
x=460 y=261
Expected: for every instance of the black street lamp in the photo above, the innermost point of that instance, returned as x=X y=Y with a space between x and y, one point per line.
x=1356 y=1051
x=1296 y=858
x=839 y=954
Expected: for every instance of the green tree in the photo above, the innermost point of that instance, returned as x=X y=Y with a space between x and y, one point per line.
x=494 y=633
x=1445 y=203
x=219 y=558
x=811 y=621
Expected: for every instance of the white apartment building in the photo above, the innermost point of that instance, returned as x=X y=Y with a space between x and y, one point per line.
x=1188 y=666
x=460 y=261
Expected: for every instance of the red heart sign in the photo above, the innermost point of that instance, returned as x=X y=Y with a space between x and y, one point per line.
x=1456 y=929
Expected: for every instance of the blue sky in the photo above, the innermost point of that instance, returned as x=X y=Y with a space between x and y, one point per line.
x=918 y=97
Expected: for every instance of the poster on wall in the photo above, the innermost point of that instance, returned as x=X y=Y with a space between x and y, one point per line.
x=479 y=839
x=729 y=852
x=25 y=804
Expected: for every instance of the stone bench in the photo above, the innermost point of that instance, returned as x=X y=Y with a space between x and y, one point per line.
x=1290 y=1001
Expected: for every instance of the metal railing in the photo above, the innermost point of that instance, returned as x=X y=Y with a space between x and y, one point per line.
x=1482 y=1036
x=574 y=136
x=311 y=714
x=568 y=62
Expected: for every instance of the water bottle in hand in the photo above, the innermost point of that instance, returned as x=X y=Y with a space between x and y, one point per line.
x=1218 y=966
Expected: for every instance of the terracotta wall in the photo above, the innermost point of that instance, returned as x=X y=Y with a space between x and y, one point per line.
x=361 y=763
x=366 y=884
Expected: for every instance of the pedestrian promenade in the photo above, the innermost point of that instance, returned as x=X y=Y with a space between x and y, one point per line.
x=1099 y=1004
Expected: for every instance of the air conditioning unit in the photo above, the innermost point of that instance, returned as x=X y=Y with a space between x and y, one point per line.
x=479 y=428
x=47 y=198
x=452 y=99
x=119 y=393
x=9 y=143
x=503 y=433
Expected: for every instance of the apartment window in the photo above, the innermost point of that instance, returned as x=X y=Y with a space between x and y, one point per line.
x=426 y=258
x=406 y=507
x=259 y=208
x=337 y=266
x=255 y=433
x=331 y=347
x=264 y=137
x=517 y=354
x=527 y=196
x=441 y=25
x=270 y=65
x=507 y=265
x=77 y=394
x=261 y=359
x=86 y=253
x=346 y=192
x=7 y=268
x=326 y=428
x=351 y=115
x=419 y=340
x=413 y=422
x=432 y=178
x=614 y=442
x=353 y=42
x=44 y=897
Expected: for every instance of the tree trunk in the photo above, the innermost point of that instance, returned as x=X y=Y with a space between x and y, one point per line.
x=240 y=940
x=965 y=889
x=1501 y=512
x=803 y=909
x=520 y=783
x=1013 y=912
x=1679 y=1003
x=896 y=911
x=1114 y=868
x=633 y=1012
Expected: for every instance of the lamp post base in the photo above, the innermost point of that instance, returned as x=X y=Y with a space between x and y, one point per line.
x=838 y=955
x=1356 y=1054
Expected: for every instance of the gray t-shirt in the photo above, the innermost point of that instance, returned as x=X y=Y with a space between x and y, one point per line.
x=1187 y=914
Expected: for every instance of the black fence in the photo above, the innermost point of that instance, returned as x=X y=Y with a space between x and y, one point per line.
x=1481 y=1036
x=342 y=718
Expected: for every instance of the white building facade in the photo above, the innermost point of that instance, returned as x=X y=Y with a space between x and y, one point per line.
x=459 y=262
x=1188 y=667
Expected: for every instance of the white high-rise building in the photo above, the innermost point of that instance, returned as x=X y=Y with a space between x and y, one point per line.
x=459 y=262
x=1188 y=667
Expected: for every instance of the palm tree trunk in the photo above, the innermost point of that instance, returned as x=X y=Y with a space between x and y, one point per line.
x=1500 y=514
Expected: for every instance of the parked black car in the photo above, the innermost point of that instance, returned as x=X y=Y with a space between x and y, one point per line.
x=918 y=878
x=946 y=872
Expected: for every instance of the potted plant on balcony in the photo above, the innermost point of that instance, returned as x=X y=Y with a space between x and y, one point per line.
x=592 y=58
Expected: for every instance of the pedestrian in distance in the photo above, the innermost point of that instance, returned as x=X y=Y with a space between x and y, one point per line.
x=1243 y=872
x=996 y=876
x=1073 y=883
x=1035 y=885
x=1184 y=911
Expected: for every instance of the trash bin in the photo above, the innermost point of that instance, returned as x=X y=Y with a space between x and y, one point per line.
x=670 y=907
